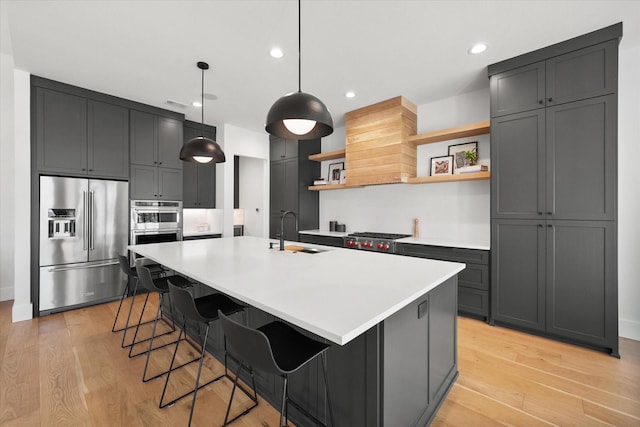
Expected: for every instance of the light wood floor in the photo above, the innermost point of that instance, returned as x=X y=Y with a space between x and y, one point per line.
x=68 y=369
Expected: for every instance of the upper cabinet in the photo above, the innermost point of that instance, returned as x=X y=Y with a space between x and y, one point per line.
x=80 y=136
x=156 y=168
x=155 y=140
x=281 y=149
x=199 y=179
x=576 y=75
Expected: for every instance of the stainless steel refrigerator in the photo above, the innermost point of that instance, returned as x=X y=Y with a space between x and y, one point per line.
x=83 y=228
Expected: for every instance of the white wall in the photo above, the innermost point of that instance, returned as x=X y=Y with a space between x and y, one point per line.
x=456 y=209
x=7 y=182
x=245 y=143
x=628 y=192
x=252 y=196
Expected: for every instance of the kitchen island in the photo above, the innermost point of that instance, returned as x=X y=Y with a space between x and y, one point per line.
x=392 y=320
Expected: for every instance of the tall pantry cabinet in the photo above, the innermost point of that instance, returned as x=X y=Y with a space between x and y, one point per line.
x=553 y=190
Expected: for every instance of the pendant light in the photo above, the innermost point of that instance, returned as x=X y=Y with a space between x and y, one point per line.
x=299 y=115
x=202 y=149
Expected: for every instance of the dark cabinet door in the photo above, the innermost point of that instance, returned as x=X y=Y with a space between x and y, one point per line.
x=281 y=148
x=206 y=174
x=61 y=132
x=144 y=134
x=189 y=185
x=290 y=201
x=581 y=289
x=169 y=184
x=518 y=90
x=277 y=187
x=108 y=140
x=585 y=73
x=143 y=183
x=581 y=160
x=518 y=272
x=518 y=162
x=169 y=143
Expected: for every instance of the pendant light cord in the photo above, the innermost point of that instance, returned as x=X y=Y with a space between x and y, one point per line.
x=202 y=102
x=299 y=53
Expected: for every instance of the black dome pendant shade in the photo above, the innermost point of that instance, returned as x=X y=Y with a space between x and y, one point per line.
x=202 y=149
x=302 y=109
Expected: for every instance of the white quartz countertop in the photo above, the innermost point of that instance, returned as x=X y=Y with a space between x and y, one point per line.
x=325 y=233
x=337 y=294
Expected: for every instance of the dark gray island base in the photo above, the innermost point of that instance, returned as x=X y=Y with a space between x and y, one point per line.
x=396 y=374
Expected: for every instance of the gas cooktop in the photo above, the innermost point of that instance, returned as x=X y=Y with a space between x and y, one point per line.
x=371 y=241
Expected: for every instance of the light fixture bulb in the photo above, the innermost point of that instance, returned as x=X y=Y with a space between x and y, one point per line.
x=350 y=94
x=196 y=104
x=276 y=52
x=478 y=48
x=202 y=159
x=299 y=126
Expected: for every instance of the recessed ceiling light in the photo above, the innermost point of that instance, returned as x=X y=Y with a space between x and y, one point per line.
x=196 y=104
x=276 y=52
x=478 y=48
x=350 y=94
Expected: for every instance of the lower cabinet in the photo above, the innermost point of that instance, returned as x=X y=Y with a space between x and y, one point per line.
x=557 y=278
x=337 y=242
x=473 y=281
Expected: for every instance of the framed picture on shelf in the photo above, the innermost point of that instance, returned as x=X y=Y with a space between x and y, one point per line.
x=334 y=172
x=442 y=165
x=459 y=153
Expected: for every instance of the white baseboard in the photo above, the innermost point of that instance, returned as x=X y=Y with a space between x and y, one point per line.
x=628 y=328
x=22 y=312
x=6 y=293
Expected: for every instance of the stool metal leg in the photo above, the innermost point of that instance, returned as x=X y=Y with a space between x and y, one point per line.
x=124 y=295
x=254 y=398
x=155 y=322
x=195 y=390
x=283 y=407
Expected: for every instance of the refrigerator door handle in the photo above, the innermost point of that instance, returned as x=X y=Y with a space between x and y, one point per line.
x=81 y=267
x=85 y=231
x=90 y=221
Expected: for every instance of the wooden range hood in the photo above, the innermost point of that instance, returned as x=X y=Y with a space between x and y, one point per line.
x=377 y=150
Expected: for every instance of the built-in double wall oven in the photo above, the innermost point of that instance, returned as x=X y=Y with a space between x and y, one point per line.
x=155 y=221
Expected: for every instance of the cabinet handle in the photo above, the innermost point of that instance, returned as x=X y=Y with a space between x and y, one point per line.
x=83 y=169
x=549 y=213
x=541 y=101
x=540 y=225
x=550 y=99
x=539 y=213
x=159 y=163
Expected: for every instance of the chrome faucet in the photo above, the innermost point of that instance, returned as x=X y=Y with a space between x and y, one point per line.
x=284 y=214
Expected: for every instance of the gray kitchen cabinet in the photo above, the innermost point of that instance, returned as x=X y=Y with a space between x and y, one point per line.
x=517 y=273
x=581 y=159
x=289 y=179
x=152 y=182
x=553 y=192
x=557 y=162
x=156 y=170
x=557 y=276
x=580 y=74
x=80 y=136
x=282 y=148
x=199 y=180
x=473 y=281
x=108 y=140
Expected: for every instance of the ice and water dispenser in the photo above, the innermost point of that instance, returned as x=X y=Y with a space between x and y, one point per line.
x=62 y=223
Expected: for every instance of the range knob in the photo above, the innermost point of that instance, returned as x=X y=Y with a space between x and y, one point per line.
x=386 y=247
x=379 y=246
x=369 y=244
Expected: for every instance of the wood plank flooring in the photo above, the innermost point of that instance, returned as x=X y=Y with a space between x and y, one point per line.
x=68 y=369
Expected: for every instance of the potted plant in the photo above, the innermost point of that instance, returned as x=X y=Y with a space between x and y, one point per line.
x=472 y=156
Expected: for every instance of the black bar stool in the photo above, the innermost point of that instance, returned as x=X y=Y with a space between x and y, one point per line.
x=161 y=286
x=203 y=310
x=277 y=349
x=132 y=275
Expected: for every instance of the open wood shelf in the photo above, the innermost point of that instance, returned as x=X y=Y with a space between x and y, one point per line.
x=449 y=178
x=329 y=155
x=451 y=133
x=331 y=187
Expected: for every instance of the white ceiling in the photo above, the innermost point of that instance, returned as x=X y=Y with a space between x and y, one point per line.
x=147 y=50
